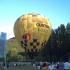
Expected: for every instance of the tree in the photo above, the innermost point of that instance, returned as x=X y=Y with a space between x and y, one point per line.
x=68 y=39
x=68 y=28
x=12 y=55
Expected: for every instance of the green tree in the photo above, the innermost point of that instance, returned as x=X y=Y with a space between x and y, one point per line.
x=68 y=28
x=67 y=40
x=12 y=55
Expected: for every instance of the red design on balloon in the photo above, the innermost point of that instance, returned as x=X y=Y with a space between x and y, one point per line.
x=26 y=37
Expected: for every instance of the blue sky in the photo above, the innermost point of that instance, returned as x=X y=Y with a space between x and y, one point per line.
x=58 y=12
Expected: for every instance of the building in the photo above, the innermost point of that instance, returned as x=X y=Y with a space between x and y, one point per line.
x=2 y=44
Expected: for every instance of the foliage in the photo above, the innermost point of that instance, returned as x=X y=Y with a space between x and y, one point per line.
x=58 y=46
x=56 y=49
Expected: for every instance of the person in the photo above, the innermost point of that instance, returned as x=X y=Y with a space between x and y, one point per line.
x=44 y=66
x=4 y=66
x=66 y=66
x=38 y=66
x=60 y=66
x=7 y=65
x=52 y=66
x=34 y=64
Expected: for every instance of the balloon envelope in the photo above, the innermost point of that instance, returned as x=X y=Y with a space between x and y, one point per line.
x=32 y=30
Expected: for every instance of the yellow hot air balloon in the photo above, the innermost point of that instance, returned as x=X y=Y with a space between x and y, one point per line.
x=32 y=30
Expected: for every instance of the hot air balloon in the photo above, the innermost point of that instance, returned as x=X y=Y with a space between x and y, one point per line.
x=32 y=31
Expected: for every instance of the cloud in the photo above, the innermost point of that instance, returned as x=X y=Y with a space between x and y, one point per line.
x=8 y=30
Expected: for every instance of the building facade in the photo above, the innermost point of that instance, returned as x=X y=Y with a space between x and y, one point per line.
x=2 y=44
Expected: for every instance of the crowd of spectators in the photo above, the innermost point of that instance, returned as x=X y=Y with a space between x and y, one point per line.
x=40 y=65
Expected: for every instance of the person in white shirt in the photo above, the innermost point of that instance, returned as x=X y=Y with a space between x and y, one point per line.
x=67 y=66
x=52 y=67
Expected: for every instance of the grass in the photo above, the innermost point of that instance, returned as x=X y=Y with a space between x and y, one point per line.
x=24 y=67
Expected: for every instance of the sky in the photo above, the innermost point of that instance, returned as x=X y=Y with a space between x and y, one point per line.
x=57 y=11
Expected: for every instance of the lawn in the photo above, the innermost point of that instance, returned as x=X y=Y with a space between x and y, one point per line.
x=24 y=67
